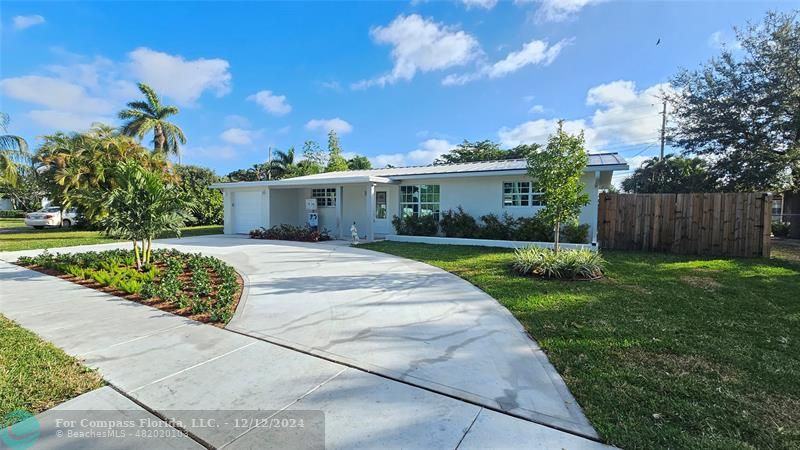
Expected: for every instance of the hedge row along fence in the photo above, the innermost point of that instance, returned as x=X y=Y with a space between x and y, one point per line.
x=717 y=224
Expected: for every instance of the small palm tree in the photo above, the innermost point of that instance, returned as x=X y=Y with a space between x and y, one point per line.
x=150 y=115
x=13 y=151
x=283 y=165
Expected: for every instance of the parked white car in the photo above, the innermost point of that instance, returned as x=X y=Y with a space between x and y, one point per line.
x=51 y=217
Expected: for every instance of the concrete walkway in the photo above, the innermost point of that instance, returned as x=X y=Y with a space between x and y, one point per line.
x=450 y=357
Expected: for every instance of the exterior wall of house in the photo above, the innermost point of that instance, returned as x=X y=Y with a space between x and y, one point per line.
x=478 y=195
x=483 y=195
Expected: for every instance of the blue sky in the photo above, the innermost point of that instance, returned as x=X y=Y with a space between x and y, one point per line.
x=400 y=81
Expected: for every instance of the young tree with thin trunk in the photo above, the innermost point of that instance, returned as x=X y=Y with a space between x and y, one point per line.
x=556 y=171
x=336 y=162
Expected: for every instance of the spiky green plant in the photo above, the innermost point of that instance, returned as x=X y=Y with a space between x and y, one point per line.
x=13 y=151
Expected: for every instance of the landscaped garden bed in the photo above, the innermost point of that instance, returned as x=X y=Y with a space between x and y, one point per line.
x=202 y=288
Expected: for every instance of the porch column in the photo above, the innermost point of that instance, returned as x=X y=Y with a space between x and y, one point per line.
x=370 y=211
x=339 y=199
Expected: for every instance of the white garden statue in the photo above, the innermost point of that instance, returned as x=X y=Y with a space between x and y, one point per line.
x=354 y=233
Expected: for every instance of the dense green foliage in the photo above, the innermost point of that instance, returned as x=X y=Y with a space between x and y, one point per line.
x=37 y=375
x=75 y=169
x=411 y=225
x=665 y=351
x=780 y=229
x=336 y=162
x=742 y=108
x=556 y=172
x=673 y=174
x=359 y=162
x=205 y=203
x=210 y=288
x=565 y=265
x=12 y=214
x=286 y=232
x=536 y=228
x=485 y=150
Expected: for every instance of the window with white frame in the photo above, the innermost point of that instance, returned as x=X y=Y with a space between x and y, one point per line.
x=326 y=197
x=420 y=200
x=520 y=193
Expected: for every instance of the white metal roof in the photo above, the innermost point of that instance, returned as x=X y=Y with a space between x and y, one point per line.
x=597 y=161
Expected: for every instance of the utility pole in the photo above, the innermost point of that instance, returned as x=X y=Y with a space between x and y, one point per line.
x=269 y=163
x=663 y=128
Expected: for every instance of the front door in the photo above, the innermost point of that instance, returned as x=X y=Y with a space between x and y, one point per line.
x=381 y=219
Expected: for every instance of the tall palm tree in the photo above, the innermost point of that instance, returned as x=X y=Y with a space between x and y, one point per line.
x=13 y=151
x=144 y=116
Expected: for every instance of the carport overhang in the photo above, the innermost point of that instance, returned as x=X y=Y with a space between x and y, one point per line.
x=335 y=181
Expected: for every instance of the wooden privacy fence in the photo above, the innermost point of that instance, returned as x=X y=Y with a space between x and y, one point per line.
x=691 y=224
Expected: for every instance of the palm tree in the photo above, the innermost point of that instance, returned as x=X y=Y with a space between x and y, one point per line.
x=283 y=165
x=150 y=115
x=13 y=151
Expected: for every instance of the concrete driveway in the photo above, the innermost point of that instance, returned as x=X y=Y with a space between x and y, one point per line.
x=406 y=321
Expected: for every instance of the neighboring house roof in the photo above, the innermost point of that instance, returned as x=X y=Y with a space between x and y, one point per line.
x=597 y=162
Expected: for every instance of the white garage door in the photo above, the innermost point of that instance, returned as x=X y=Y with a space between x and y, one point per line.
x=246 y=211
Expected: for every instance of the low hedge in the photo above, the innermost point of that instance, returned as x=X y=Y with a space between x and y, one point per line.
x=12 y=214
x=780 y=229
x=287 y=232
x=460 y=224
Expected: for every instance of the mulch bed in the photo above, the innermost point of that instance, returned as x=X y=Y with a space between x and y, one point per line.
x=154 y=302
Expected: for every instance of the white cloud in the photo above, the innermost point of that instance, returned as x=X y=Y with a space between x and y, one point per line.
x=236 y=121
x=537 y=131
x=625 y=114
x=485 y=4
x=425 y=154
x=23 y=22
x=66 y=120
x=74 y=94
x=176 y=77
x=720 y=39
x=336 y=124
x=275 y=104
x=536 y=109
x=558 y=10
x=53 y=93
x=533 y=52
x=421 y=45
x=240 y=136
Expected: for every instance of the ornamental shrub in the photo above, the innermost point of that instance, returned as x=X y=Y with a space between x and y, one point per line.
x=459 y=224
x=566 y=264
x=286 y=232
x=411 y=225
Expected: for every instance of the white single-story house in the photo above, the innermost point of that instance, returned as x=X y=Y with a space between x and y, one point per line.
x=370 y=198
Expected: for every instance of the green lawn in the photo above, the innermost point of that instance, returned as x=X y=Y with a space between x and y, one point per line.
x=35 y=375
x=56 y=237
x=11 y=223
x=665 y=352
